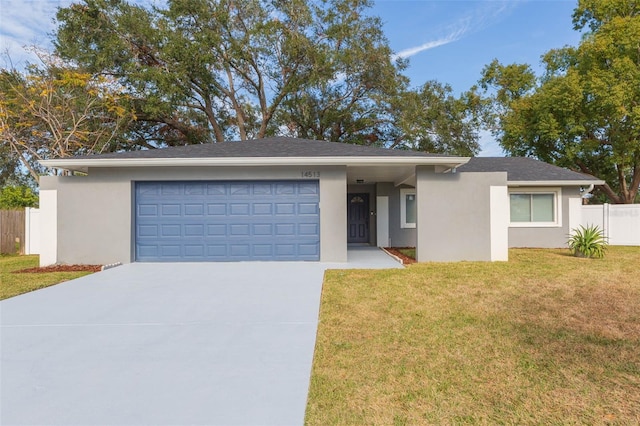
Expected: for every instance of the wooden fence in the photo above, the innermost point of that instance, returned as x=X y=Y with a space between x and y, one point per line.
x=12 y=231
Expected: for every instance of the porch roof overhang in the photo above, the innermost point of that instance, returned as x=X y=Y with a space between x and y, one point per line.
x=360 y=169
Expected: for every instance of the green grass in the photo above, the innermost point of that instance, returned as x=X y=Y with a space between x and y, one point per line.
x=546 y=338
x=410 y=252
x=14 y=284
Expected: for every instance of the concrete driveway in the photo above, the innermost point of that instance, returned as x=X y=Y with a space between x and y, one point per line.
x=203 y=343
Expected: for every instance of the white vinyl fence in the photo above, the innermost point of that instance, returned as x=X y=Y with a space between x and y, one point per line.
x=620 y=222
x=32 y=231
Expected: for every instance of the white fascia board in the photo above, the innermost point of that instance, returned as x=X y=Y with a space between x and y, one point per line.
x=85 y=164
x=517 y=183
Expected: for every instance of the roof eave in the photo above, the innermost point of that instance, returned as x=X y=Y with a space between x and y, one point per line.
x=84 y=164
x=516 y=183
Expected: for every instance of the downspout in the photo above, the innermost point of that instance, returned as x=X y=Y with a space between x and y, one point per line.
x=588 y=190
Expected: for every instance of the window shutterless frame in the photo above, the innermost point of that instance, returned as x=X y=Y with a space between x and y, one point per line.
x=408 y=208
x=535 y=207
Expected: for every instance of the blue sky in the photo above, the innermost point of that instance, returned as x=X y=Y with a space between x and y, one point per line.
x=445 y=40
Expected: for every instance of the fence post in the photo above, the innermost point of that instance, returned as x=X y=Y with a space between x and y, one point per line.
x=27 y=230
x=605 y=220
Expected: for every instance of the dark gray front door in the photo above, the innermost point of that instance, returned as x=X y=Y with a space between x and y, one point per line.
x=358 y=218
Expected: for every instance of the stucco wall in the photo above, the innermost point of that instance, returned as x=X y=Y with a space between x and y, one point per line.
x=94 y=212
x=548 y=237
x=455 y=215
x=398 y=236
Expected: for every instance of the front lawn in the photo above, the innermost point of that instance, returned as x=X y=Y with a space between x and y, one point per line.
x=12 y=284
x=545 y=338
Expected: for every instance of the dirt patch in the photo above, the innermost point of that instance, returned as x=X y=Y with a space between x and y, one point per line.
x=60 y=268
x=406 y=260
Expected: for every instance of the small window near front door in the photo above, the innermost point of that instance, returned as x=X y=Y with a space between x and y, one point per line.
x=408 y=208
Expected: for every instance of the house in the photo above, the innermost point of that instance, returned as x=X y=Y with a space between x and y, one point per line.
x=294 y=199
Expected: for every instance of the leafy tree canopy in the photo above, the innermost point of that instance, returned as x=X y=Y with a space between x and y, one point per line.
x=583 y=112
x=201 y=71
x=55 y=110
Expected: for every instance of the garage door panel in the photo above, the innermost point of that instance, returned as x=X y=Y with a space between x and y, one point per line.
x=223 y=221
x=217 y=209
x=308 y=208
x=308 y=249
x=285 y=208
x=217 y=230
x=239 y=230
x=263 y=229
x=194 y=188
x=262 y=189
x=308 y=189
x=217 y=250
x=148 y=231
x=194 y=209
x=262 y=209
x=194 y=230
x=169 y=189
x=309 y=229
x=148 y=210
x=168 y=250
x=194 y=250
x=216 y=189
x=238 y=189
x=285 y=249
x=239 y=209
x=171 y=231
x=171 y=210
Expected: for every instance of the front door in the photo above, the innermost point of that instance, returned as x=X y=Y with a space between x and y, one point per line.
x=358 y=218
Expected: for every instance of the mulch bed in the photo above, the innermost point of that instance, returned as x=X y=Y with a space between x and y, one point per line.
x=60 y=268
x=406 y=260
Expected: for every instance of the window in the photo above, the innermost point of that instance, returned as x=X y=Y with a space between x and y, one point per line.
x=535 y=208
x=408 y=208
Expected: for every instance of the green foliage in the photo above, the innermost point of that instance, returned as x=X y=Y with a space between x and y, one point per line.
x=56 y=110
x=583 y=112
x=431 y=119
x=200 y=71
x=17 y=197
x=588 y=242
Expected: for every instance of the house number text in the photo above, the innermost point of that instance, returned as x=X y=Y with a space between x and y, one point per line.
x=310 y=174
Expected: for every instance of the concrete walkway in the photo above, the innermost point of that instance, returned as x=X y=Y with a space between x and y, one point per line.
x=166 y=344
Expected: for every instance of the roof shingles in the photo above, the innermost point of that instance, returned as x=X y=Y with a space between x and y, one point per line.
x=517 y=168
x=268 y=147
x=523 y=169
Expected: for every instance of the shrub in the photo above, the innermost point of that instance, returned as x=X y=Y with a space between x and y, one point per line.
x=588 y=242
x=17 y=197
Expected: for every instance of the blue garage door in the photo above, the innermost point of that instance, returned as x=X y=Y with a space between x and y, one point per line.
x=227 y=221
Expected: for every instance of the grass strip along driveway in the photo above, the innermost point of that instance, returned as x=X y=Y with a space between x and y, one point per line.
x=13 y=284
x=545 y=338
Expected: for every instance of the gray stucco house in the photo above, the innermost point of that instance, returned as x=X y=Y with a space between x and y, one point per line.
x=295 y=199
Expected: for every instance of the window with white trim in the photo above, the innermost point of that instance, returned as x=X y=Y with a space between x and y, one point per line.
x=408 y=208
x=535 y=207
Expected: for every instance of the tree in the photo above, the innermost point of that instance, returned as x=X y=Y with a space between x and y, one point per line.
x=356 y=82
x=583 y=112
x=53 y=111
x=212 y=70
x=17 y=197
x=431 y=119
x=216 y=70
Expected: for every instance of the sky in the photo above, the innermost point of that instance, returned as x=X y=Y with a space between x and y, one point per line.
x=445 y=40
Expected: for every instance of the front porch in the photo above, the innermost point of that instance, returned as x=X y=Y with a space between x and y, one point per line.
x=367 y=257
